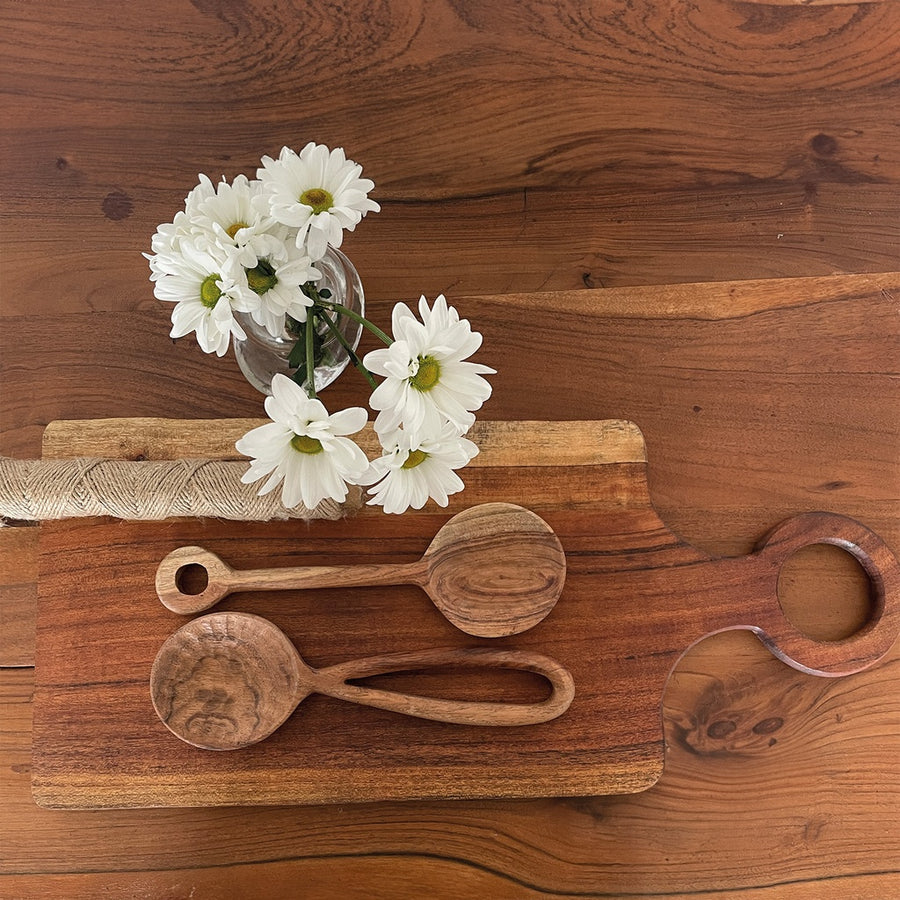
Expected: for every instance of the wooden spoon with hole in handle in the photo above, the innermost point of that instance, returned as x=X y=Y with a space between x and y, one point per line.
x=492 y=570
x=228 y=680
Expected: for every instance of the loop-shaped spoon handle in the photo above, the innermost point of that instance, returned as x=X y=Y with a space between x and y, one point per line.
x=222 y=580
x=859 y=650
x=333 y=682
x=228 y=680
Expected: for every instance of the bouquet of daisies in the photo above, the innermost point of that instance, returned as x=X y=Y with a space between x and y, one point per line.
x=251 y=247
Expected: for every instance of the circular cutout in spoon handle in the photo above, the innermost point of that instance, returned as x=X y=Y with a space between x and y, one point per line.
x=222 y=580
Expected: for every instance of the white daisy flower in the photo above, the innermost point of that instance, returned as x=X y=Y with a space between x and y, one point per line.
x=412 y=471
x=200 y=192
x=317 y=192
x=426 y=378
x=273 y=287
x=228 y=215
x=164 y=245
x=304 y=447
x=202 y=287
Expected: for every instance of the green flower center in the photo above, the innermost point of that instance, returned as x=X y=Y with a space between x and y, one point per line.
x=261 y=277
x=415 y=458
x=318 y=198
x=305 y=444
x=234 y=229
x=428 y=375
x=209 y=291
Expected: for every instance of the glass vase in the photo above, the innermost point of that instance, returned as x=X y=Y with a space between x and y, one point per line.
x=261 y=355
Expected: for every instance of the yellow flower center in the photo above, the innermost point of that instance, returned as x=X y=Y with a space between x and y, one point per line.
x=415 y=458
x=318 y=198
x=232 y=230
x=306 y=444
x=261 y=278
x=428 y=375
x=209 y=291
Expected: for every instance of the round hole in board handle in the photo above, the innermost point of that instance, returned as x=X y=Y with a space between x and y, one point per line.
x=844 y=596
x=864 y=647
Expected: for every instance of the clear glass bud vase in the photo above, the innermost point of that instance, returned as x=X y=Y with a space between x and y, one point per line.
x=261 y=355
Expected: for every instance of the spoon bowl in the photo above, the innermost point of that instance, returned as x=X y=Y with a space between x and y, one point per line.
x=495 y=570
x=224 y=682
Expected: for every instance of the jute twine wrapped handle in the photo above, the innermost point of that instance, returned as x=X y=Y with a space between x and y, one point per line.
x=35 y=490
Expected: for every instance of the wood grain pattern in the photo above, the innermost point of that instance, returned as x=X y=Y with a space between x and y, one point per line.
x=708 y=141
x=833 y=341
x=809 y=835
x=619 y=651
x=738 y=430
x=228 y=680
x=499 y=443
x=493 y=570
x=517 y=147
x=18 y=595
x=597 y=489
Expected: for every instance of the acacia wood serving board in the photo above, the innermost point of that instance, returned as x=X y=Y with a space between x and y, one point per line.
x=636 y=598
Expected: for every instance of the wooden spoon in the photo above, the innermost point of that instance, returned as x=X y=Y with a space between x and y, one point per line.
x=493 y=570
x=228 y=680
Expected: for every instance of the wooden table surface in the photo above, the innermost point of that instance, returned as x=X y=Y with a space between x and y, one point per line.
x=659 y=163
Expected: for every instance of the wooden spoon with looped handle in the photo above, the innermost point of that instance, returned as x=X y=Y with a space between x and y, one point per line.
x=228 y=680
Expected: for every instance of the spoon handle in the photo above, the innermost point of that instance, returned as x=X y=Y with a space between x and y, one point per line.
x=222 y=580
x=301 y=577
x=332 y=681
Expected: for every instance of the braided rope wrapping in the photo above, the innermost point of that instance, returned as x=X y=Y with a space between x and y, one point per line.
x=35 y=490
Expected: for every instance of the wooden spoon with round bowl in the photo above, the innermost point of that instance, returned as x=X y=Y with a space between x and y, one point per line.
x=227 y=680
x=493 y=570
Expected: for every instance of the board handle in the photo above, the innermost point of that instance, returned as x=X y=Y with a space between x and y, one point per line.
x=333 y=682
x=861 y=649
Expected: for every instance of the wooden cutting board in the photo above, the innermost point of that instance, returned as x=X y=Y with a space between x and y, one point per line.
x=635 y=599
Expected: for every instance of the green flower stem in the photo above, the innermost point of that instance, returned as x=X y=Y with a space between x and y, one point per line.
x=310 y=362
x=311 y=291
x=342 y=310
x=354 y=358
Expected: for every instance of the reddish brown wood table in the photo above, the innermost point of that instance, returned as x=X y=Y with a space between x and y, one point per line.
x=635 y=599
x=516 y=147
x=758 y=401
